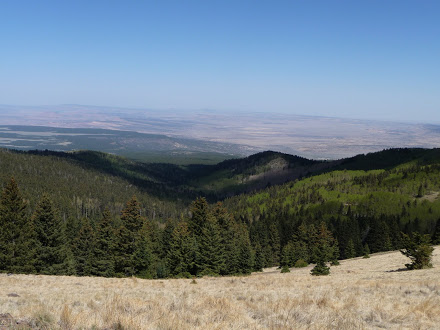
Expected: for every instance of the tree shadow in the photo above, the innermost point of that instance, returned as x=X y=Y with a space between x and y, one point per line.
x=397 y=270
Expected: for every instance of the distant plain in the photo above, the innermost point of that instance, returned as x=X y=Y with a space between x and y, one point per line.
x=235 y=134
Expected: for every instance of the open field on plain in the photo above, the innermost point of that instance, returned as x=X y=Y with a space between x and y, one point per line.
x=360 y=293
x=236 y=132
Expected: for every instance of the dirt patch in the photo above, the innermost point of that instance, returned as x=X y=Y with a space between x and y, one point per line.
x=431 y=197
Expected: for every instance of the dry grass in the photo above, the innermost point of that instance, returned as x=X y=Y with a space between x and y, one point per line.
x=360 y=293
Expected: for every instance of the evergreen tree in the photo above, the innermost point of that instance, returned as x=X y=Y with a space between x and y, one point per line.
x=245 y=253
x=421 y=191
x=259 y=261
x=154 y=236
x=131 y=216
x=127 y=236
x=312 y=243
x=323 y=250
x=419 y=249
x=50 y=236
x=274 y=242
x=166 y=237
x=143 y=255
x=335 y=253
x=17 y=245
x=212 y=256
x=288 y=255
x=321 y=267
x=228 y=238
x=199 y=213
x=104 y=248
x=436 y=234
x=83 y=249
x=388 y=246
x=350 y=251
x=124 y=249
x=182 y=253
x=366 y=251
x=378 y=238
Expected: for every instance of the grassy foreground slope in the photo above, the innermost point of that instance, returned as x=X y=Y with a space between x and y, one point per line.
x=360 y=293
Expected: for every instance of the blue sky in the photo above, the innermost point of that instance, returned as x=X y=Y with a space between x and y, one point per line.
x=359 y=59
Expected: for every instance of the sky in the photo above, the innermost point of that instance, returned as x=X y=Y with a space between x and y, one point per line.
x=356 y=59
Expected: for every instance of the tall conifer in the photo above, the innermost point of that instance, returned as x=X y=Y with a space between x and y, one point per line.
x=182 y=253
x=83 y=249
x=127 y=236
x=17 y=248
x=143 y=256
x=49 y=231
x=199 y=213
x=105 y=247
x=212 y=255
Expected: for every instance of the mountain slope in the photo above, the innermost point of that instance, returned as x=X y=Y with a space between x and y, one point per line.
x=94 y=173
x=83 y=187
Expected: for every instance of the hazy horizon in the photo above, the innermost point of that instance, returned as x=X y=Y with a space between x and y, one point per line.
x=62 y=107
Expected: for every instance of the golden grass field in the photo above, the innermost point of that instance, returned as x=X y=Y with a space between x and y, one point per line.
x=360 y=293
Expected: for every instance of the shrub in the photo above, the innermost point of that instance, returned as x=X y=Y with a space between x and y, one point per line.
x=285 y=269
x=300 y=263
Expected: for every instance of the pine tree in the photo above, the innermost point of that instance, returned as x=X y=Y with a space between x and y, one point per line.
x=212 y=256
x=312 y=242
x=321 y=267
x=335 y=253
x=143 y=257
x=366 y=251
x=83 y=249
x=127 y=235
x=104 y=249
x=388 y=246
x=288 y=255
x=181 y=257
x=259 y=258
x=199 y=213
x=378 y=238
x=419 y=249
x=350 y=251
x=131 y=216
x=228 y=237
x=17 y=245
x=436 y=234
x=50 y=236
x=274 y=242
x=323 y=250
x=166 y=237
x=421 y=191
x=245 y=253
x=124 y=249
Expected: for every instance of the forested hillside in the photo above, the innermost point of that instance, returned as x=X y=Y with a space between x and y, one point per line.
x=89 y=213
x=84 y=184
x=363 y=209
